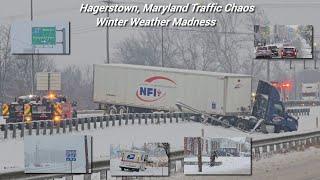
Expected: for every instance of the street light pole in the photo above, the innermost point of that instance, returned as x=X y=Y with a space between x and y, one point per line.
x=162 y=63
x=315 y=55
x=107 y=38
x=295 y=82
x=32 y=58
x=268 y=70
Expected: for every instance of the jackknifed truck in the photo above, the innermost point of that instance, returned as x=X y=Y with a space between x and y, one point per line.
x=225 y=97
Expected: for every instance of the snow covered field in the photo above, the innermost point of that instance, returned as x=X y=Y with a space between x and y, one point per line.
x=292 y=166
x=56 y=168
x=12 y=150
x=230 y=165
x=47 y=154
x=150 y=171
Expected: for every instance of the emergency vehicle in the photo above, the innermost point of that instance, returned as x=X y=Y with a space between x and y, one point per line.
x=33 y=108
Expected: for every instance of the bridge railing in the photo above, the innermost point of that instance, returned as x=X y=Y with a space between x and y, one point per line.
x=49 y=127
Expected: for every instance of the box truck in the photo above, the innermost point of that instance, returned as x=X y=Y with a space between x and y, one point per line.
x=134 y=160
x=310 y=91
x=122 y=88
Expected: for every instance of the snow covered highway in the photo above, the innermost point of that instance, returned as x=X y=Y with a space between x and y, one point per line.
x=140 y=133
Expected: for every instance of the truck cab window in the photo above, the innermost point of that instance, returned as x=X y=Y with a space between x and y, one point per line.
x=278 y=109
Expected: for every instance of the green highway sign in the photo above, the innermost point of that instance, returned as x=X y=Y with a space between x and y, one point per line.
x=43 y=35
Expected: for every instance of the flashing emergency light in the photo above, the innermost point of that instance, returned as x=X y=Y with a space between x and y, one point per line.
x=56 y=118
x=28 y=119
x=51 y=96
x=286 y=85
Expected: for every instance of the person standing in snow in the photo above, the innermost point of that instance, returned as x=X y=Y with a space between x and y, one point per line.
x=213 y=156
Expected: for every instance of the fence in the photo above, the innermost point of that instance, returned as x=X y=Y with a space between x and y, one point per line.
x=267 y=147
x=299 y=111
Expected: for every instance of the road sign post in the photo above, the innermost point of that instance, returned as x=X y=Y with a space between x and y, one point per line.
x=71 y=155
x=48 y=81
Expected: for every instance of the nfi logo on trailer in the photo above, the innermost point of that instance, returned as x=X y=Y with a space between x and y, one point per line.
x=154 y=88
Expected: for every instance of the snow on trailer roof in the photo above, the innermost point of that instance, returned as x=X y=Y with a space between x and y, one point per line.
x=187 y=71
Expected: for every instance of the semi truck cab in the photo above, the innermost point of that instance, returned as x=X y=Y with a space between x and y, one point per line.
x=267 y=106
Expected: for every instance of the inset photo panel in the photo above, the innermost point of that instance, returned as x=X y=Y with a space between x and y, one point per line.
x=277 y=42
x=148 y=159
x=40 y=37
x=217 y=156
x=67 y=154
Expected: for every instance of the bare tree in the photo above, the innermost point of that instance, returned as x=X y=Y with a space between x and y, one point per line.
x=4 y=57
x=15 y=70
x=77 y=84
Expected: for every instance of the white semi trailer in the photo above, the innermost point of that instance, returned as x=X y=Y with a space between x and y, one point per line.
x=220 y=97
x=132 y=88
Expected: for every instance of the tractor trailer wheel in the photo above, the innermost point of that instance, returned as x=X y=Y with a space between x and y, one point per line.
x=122 y=110
x=241 y=125
x=112 y=110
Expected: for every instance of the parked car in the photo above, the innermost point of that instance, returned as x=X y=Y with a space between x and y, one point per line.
x=274 y=50
x=263 y=52
x=289 y=52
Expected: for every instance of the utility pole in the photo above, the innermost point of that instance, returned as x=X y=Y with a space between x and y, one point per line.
x=295 y=82
x=199 y=154
x=32 y=58
x=268 y=70
x=162 y=63
x=107 y=38
x=252 y=66
x=315 y=55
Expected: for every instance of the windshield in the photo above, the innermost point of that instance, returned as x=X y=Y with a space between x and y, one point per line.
x=39 y=109
x=278 y=109
x=262 y=48
x=289 y=49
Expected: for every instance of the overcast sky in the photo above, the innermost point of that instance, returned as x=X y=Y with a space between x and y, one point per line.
x=88 y=42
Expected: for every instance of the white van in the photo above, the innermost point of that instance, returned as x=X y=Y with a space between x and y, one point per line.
x=133 y=160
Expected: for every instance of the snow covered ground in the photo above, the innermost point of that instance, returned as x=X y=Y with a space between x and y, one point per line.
x=230 y=165
x=306 y=51
x=54 y=168
x=47 y=154
x=294 y=166
x=103 y=138
x=150 y=171
x=12 y=150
